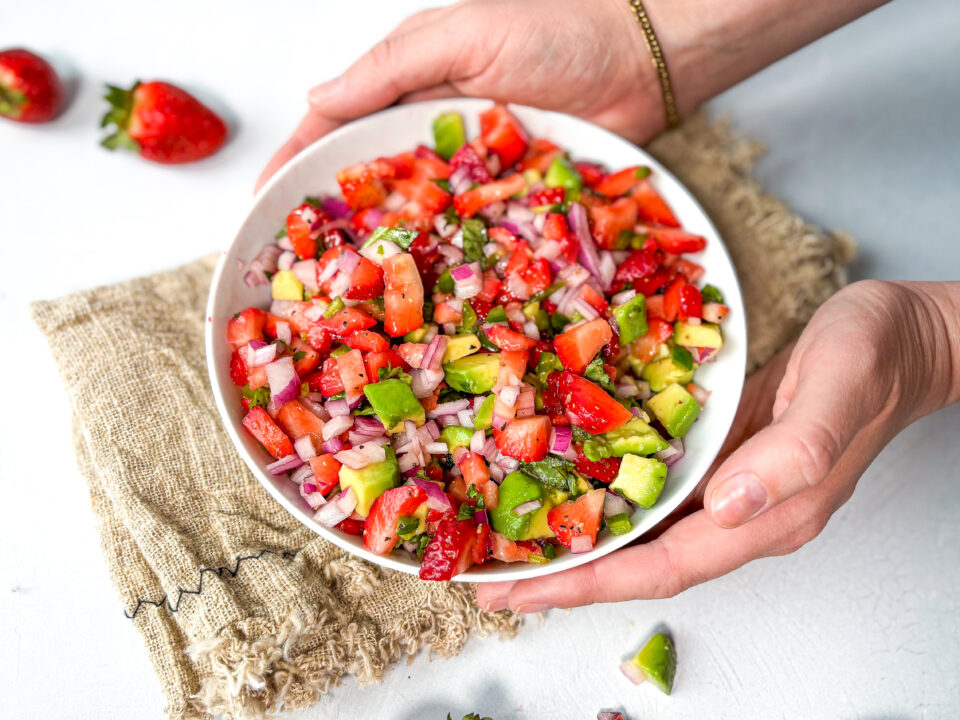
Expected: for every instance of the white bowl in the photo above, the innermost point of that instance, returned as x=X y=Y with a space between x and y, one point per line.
x=398 y=129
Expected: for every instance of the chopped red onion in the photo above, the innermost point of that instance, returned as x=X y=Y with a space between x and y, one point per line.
x=314 y=498
x=673 y=453
x=460 y=180
x=622 y=298
x=458 y=454
x=489 y=450
x=340 y=284
x=496 y=472
x=304 y=447
x=264 y=262
x=285 y=243
x=338 y=509
x=433 y=355
x=525 y=404
x=337 y=426
x=526 y=230
x=317 y=308
x=481 y=517
x=588 y=311
x=306 y=272
x=284 y=464
x=519 y=213
x=328 y=272
x=509 y=396
x=337 y=408
x=550 y=250
x=302 y=474
x=477 y=441
x=614 y=504
x=494 y=211
x=369 y=426
x=560 y=439
x=286 y=260
x=380 y=250
x=336 y=208
x=283 y=380
x=394 y=202
x=703 y=355
x=588 y=256
x=449 y=408
x=448 y=420
x=465 y=418
x=468 y=281
x=608 y=268
x=332 y=445
x=352 y=458
x=527 y=507
x=454 y=255
x=284 y=333
x=508 y=463
x=694 y=321
x=498 y=422
x=699 y=394
x=374 y=452
x=436 y=498
x=633 y=673
x=408 y=461
x=626 y=388
x=581 y=544
x=436 y=448
x=443 y=228
x=261 y=354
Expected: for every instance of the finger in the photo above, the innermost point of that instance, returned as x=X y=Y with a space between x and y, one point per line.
x=311 y=128
x=417 y=20
x=437 y=92
x=691 y=551
x=818 y=418
x=397 y=65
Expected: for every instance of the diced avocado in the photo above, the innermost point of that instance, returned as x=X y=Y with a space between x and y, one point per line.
x=640 y=479
x=562 y=173
x=448 y=134
x=421 y=515
x=676 y=409
x=706 y=335
x=393 y=401
x=415 y=336
x=473 y=374
x=372 y=481
x=456 y=436
x=484 y=418
x=532 y=176
x=663 y=372
x=285 y=286
x=460 y=346
x=539 y=527
x=516 y=489
x=658 y=662
x=530 y=310
x=631 y=319
x=635 y=438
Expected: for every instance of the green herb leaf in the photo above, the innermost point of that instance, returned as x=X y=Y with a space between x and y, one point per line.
x=596 y=372
x=497 y=314
x=299 y=355
x=259 y=397
x=466 y=512
x=476 y=495
x=474 y=238
x=407 y=524
x=549 y=551
x=468 y=318
x=544 y=294
x=421 y=542
x=552 y=471
x=711 y=294
x=441 y=183
x=398 y=236
x=444 y=282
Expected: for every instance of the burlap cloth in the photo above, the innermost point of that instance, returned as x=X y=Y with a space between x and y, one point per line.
x=243 y=610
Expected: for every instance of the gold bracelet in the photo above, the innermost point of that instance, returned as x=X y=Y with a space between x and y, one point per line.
x=659 y=63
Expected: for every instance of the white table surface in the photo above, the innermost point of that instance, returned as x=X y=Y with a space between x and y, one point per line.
x=862 y=623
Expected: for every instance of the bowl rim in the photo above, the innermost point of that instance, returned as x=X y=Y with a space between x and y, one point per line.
x=567 y=561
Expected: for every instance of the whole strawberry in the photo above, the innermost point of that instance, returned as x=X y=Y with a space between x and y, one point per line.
x=162 y=123
x=30 y=91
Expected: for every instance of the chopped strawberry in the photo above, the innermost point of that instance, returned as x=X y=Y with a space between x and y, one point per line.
x=650 y=284
x=690 y=270
x=450 y=552
x=471 y=202
x=621 y=182
x=526 y=439
x=238 y=369
x=655 y=306
x=651 y=207
x=348 y=321
x=671 y=299
x=309 y=358
x=326 y=472
x=360 y=187
x=507 y=339
x=265 y=430
x=591 y=173
x=387 y=359
x=297 y=421
x=366 y=340
x=639 y=264
x=714 y=312
x=503 y=134
x=540 y=155
x=467 y=157
x=548 y=196
x=412 y=353
x=246 y=326
x=691 y=303
x=608 y=221
x=353 y=374
x=327 y=380
x=604 y=470
x=403 y=297
x=300 y=230
x=577 y=518
x=363 y=222
x=482 y=543
x=537 y=276
x=475 y=474
x=506 y=550
x=594 y=299
x=577 y=347
x=589 y=406
x=366 y=282
x=380 y=529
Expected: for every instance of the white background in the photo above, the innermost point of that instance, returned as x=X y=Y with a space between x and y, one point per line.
x=862 y=623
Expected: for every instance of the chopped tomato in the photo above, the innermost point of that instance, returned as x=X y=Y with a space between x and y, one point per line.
x=589 y=406
x=548 y=196
x=591 y=173
x=471 y=202
x=639 y=264
x=412 y=353
x=506 y=550
x=309 y=358
x=690 y=270
x=671 y=299
x=246 y=326
x=577 y=518
x=540 y=155
x=503 y=134
x=526 y=439
x=593 y=299
x=650 y=284
x=507 y=339
x=537 y=276
x=326 y=381
x=714 y=312
x=265 y=430
x=387 y=359
x=380 y=529
x=366 y=282
x=403 y=296
x=475 y=474
x=691 y=303
x=655 y=306
x=577 y=347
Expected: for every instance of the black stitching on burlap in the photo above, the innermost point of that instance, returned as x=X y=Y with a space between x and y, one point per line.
x=232 y=572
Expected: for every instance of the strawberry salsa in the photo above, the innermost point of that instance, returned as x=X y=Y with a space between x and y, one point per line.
x=482 y=351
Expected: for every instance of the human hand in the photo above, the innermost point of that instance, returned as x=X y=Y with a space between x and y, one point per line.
x=874 y=358
x=559 y=55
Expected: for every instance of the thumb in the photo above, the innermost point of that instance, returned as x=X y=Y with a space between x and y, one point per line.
x=419 y=59
x=820 y=409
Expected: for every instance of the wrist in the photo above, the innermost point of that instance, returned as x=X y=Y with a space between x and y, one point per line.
x=936 y=342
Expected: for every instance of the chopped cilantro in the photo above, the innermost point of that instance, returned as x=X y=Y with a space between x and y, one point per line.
x=544 y=294
x=407 y=524
x=259 y=397
x=711 y=294
x=398 y=236
x=497 y=314
x=421 y=542
x=444 y=282
x=549 y=551
x=474 y=238
x=466 y=512
x=299 y=355
x=441 y=183
x=596 y=372
x=476 y=495
x=553 y=472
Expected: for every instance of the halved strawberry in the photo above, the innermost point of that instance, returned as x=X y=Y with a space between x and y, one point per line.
x=246 y=326
x=577 y=518
x=577 y=347
x=265 y=430
x=471 y=202
x=589 y=406
x=297 y=421
x=526 y=439
x=380 y=529
x=403 y=296
x=503 y=134
x=507 y=339
x=450 y=552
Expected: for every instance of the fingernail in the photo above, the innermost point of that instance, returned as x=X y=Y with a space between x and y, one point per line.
x=495 y=604
x=323 y=93
x=533 y=607
x=738 y=499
